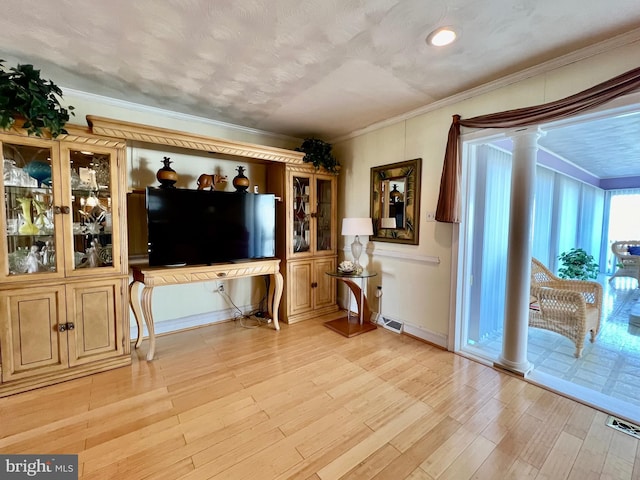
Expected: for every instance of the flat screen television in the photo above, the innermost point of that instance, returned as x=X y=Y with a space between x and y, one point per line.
x=202 y=227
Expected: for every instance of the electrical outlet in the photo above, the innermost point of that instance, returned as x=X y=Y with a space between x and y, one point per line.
x=431 y=216
x=221 y=288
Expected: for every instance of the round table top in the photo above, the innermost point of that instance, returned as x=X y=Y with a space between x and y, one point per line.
x=362 y=274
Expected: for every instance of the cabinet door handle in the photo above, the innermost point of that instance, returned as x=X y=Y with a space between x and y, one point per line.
x=70 y=326
x=57 y=210
x=65 y=209
x=62 y=327
x=314 y=284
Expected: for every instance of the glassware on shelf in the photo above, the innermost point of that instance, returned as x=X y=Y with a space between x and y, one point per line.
x=33 y=262
x=48 y=255
x=106 y=254
x=12 y=226
x=39 y=170
x=11 y=173
x=17 y=261
x=39 y=257
x=27 y=227
x=103 y=172
x=16 y=177
x=44 y=216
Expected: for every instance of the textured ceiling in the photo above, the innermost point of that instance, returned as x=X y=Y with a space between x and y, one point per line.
x=296 y=67
x=606 y=147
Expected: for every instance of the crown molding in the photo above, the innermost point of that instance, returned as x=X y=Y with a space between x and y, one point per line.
x=161 y=136
x=545 y=67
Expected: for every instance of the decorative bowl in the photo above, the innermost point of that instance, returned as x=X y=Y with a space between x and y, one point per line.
x=41 y=171
x=347 y=267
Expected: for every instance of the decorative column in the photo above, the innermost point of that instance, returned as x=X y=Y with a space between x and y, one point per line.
x=523 y=178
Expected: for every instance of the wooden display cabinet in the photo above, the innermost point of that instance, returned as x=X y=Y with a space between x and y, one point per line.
x=307 y=237
x=309 y=288
x=63 y=258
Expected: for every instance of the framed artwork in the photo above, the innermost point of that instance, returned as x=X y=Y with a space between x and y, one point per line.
x=395 y=202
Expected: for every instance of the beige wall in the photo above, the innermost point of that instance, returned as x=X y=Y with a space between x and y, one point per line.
x=416 y=290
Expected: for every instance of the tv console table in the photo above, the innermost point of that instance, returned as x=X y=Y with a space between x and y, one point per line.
x=145 y=278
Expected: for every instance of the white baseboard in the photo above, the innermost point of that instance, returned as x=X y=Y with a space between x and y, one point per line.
x=199 y=320
x=432 y=337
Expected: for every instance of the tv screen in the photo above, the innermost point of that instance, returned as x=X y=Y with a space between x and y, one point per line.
x=201 y=227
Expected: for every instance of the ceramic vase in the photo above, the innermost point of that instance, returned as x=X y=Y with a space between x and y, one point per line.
x=167 y=176
x=27 y=227
x=240 y=181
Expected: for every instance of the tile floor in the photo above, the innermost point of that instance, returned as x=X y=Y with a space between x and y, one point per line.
x=611 y=365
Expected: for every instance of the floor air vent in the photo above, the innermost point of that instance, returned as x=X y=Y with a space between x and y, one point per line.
x=392 y=325
x=625 y=427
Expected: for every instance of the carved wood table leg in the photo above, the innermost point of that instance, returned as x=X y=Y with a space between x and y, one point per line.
x=274 y=304
x=147 y=293
x=134 y=301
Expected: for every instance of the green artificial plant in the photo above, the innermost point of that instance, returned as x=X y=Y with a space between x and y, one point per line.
x=578 y=264
x=319 y=153
x=25 y=95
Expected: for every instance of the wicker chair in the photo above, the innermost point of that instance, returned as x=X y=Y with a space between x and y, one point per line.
x=627 y=265
x=568 y=307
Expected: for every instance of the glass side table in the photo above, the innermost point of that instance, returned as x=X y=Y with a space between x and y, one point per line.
x=353 y=325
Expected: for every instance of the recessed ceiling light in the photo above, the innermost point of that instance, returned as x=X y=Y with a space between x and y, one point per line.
x=441 y=37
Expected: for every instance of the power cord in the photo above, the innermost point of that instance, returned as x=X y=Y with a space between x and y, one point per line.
x=241 y=318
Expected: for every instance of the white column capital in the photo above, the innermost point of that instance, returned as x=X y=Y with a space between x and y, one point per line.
x=532 y=133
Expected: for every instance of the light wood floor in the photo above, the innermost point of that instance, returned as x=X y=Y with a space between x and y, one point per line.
x=224 y=402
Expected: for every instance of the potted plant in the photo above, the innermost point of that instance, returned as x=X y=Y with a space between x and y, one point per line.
x=578 y=264
x=318 y=152
x=25 y=95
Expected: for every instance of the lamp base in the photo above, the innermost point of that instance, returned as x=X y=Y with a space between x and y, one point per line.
x=356 y=251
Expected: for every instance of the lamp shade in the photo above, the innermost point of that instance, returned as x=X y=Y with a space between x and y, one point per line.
x=357 y=226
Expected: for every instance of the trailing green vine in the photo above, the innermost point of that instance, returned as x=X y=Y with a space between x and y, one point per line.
x=24 y=94
x=318 y=152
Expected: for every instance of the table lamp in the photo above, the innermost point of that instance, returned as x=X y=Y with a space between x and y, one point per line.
x=357 y=227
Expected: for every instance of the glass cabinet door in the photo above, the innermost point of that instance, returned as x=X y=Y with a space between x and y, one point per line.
x=31 y=245
x=324 y=196
x=301 y=214
x=91 y=204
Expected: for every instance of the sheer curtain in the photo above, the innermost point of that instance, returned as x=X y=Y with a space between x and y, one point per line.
x=567 y=214
x=568 y=211
x=591 y=234
x=491 y=227
x=543 y=215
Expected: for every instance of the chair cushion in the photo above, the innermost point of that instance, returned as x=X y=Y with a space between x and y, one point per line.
x=634 y=250
x=533 y=303
x=592 y=319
